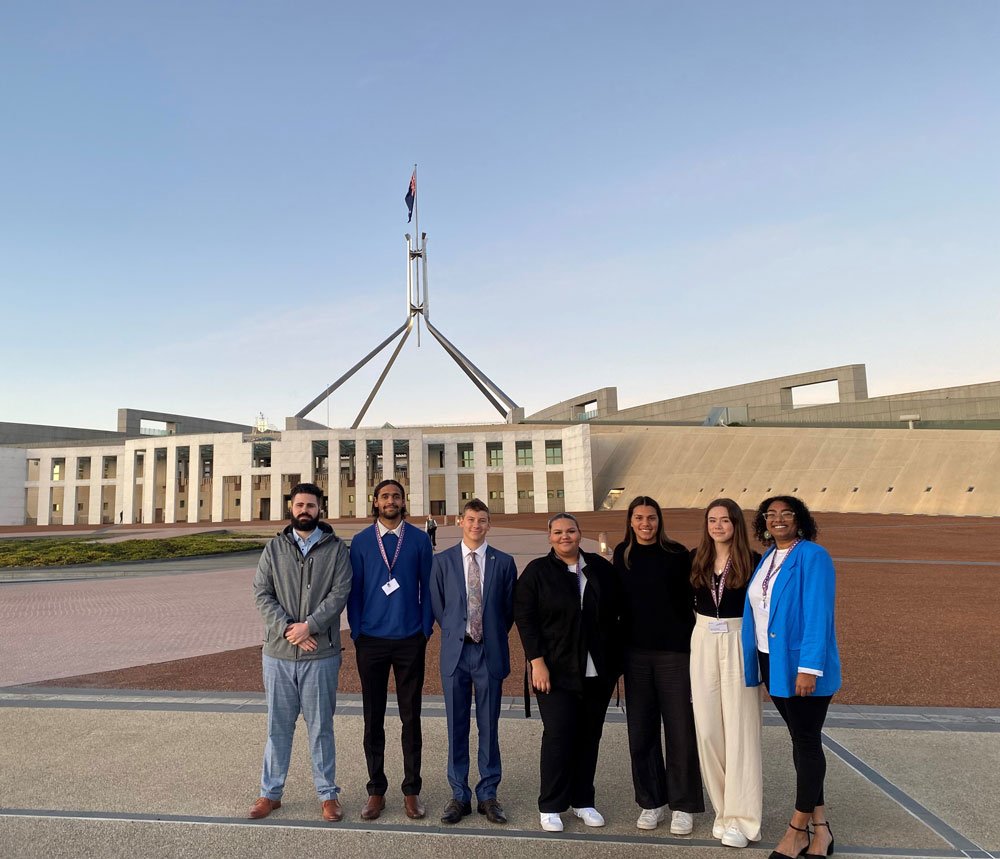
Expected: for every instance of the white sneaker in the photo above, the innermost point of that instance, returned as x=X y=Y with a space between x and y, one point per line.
x=681 y=823
x=732 y=837
x=718 y=830
x=551 y=822
x=650 y=818
x=590 y=816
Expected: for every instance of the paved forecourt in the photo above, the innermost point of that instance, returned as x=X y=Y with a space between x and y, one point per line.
x=166 y=774
x=123 y=773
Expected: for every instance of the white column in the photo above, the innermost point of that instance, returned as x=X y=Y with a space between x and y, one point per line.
x=332 y=478
x=96 y=501
x=194 y=484
x=217 y=487
x=418 y=475
x=246 y=496
x=509 y=475
x=69 y=491
x=480 y=485
x=451 y=500
x=126 y=474
x=170 y=496
x=539 y=479
x=44 y=516
x=149 y=485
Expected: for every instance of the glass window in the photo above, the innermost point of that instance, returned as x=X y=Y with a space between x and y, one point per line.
x=553 y=453
x=494 y=454
x=466 y=457
x=524 y=456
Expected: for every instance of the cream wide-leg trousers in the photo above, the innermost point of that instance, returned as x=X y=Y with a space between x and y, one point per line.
x=727 y=717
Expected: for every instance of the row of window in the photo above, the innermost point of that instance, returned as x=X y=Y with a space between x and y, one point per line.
x=521 y=493
x=523 y=451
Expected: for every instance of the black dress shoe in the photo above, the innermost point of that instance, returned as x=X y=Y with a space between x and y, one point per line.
x=493 y=811
x=455 y=810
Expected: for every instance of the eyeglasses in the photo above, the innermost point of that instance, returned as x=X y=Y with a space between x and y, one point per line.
x=784 y=515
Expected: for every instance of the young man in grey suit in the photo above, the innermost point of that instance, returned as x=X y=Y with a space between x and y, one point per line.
x=472 y=594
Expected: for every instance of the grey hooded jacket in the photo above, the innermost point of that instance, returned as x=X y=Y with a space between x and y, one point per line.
x=289 y=588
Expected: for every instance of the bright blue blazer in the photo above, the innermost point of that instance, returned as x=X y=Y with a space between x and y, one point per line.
x=800 y=631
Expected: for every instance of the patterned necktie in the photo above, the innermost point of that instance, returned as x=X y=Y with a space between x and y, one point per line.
x=475 y=600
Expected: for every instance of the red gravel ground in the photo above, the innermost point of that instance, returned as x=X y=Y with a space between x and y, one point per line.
x=909 y=634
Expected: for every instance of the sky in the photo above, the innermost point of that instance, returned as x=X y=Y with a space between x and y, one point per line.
x=201 y=204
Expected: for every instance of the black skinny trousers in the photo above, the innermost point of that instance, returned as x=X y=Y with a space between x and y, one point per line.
x=804 y=717
x=572 y=724
x=658 y=708
x=405 y=656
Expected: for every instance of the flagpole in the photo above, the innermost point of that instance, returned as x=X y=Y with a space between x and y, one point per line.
x=416 y=231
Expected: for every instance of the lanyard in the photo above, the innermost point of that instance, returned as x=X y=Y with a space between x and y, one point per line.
x=717 y=597
x=381 y=546
x=772 y=570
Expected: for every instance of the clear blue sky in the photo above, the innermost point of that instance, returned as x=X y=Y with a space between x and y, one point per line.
x=202 y=203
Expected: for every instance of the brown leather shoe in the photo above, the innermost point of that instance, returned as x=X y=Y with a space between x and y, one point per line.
x=373 y=808
x=263 y=807
x=493 y=811
x=332 y=810
x=414 y=807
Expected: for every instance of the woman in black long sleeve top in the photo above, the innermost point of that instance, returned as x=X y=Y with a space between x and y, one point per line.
x=655 y=575
x=567 y=608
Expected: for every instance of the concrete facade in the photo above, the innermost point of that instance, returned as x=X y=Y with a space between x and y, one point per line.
x=246 y=477
x=579 y=454
x=845 y=470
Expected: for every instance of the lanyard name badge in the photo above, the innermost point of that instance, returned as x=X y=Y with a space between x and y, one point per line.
x=719 y=625
x=391 y=585
x=763 y=605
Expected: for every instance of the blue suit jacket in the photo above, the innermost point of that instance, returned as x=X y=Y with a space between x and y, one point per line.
x=800 y=631
x=451 y=609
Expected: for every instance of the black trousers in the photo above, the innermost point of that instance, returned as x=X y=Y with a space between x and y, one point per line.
x=804 y=717
x=572 y=724
x=658 y=692
x=406 y=658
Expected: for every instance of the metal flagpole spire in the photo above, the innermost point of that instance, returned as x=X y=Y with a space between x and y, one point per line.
x=418 y=305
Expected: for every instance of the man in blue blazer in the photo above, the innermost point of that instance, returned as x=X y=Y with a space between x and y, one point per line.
x=472 y=595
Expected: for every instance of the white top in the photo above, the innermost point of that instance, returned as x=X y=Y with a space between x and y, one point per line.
x=762 y=616
x=575 y=568
x=480 y=554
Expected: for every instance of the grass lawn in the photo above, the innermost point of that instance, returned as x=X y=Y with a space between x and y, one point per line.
x=63 y=551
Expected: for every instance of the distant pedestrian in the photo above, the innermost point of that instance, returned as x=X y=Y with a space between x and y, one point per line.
x=121 y=517
x=301 y=656
x=431 y=527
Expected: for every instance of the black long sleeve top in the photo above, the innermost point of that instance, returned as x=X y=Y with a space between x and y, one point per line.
x=659 y=599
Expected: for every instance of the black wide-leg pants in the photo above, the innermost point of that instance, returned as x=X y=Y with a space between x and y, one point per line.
x=571 y=737
x=658 y=693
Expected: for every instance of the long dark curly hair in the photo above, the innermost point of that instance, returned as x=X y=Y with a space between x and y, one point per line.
x=803 y=519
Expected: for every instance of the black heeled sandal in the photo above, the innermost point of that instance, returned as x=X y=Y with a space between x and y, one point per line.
x=776 y=855
x=829 y=850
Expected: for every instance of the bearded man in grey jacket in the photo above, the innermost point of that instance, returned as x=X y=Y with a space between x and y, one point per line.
x=300 y=589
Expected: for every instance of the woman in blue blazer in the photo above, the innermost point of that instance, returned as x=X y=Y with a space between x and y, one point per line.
x=790 y=643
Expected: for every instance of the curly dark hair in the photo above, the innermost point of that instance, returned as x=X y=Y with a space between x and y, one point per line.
x=803 y=518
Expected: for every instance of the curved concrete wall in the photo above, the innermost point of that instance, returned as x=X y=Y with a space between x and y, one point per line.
x=830 y=469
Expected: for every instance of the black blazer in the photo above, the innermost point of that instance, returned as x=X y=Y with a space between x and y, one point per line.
x=551 y=624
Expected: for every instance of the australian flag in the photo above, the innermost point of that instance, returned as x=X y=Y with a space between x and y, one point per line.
x=411 y=196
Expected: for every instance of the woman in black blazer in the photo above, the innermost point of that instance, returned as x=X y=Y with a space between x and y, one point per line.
x=567 y=609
